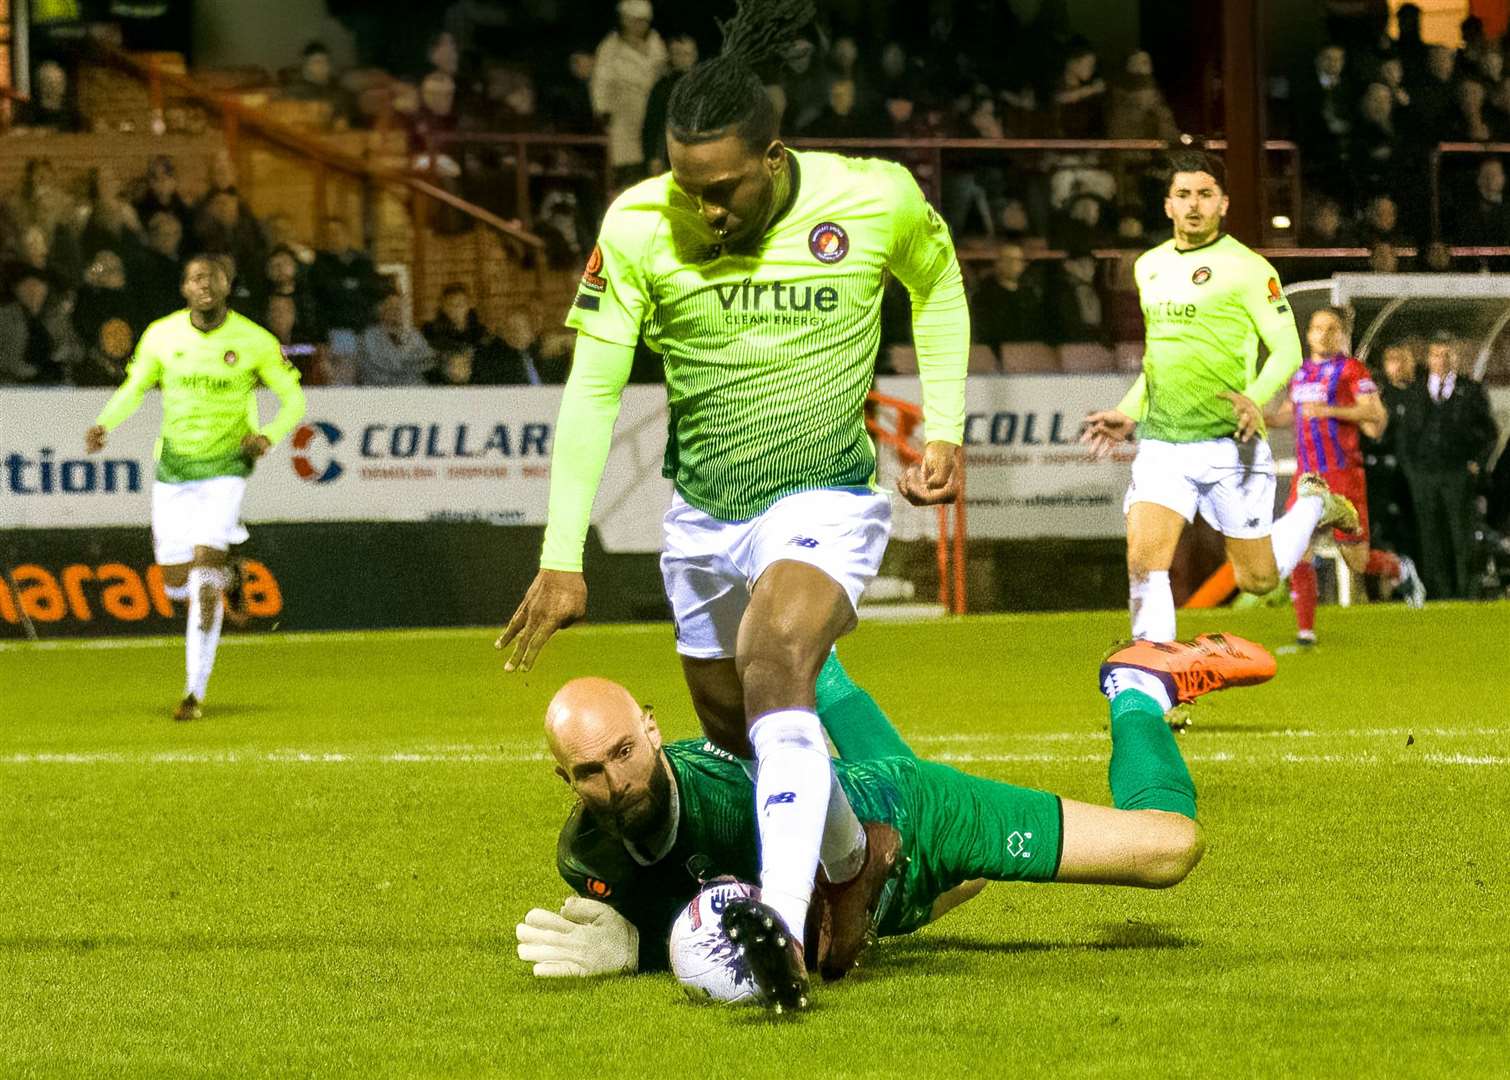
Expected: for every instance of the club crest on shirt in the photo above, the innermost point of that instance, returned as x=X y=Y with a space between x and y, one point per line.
x=231 y=358
x=1201 y=276
x=1277 y=296
x=598 y=887
x=828 y=242
x=592 y=275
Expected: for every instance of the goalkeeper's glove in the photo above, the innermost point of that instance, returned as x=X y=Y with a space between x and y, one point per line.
x=587 y=938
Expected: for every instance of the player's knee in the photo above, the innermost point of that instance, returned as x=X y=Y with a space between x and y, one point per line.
x=1177 y=852
x=1257 y=582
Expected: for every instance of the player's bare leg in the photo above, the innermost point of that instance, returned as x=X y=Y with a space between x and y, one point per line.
x=1151 y=838
x=1153 y=533
x=1261 y=564
x=718 y=698
x=206 y=586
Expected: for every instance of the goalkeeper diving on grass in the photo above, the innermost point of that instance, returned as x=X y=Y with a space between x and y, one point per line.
x=655 y=820
x=757 y=272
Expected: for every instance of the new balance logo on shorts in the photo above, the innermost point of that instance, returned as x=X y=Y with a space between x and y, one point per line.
x=779 y=798
x=803 y=541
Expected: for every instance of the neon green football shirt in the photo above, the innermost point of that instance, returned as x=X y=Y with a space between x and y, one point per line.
x=769 y=354
x=1206 y=309
x=208 y=382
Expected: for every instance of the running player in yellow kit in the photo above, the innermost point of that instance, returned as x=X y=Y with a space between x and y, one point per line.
x=208 y=361
x=757 y=273
x=1197 y=408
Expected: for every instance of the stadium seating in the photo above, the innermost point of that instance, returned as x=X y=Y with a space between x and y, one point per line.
x=1029 y=358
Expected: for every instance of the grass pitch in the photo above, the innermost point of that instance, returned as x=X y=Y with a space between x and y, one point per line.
x=322 y=877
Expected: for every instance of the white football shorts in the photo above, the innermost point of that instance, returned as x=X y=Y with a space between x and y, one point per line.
x=1230 y=483
x=711 y=566
x=196 y=513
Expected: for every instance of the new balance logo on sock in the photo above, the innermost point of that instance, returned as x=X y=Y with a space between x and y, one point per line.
x=802 y=541
x=780 y=797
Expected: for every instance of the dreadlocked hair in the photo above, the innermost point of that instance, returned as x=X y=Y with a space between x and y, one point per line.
x=727 y=91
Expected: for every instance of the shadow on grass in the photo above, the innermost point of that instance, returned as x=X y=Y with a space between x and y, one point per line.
x=1112 y=937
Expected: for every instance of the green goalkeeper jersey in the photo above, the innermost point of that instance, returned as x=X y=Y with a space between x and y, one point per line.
x=1206 y=309
x=769 y=354
x=715 y=835
x=208 y=382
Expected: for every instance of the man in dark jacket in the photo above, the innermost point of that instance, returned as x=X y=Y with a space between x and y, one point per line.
x=1447 y=433
x=1392 y=524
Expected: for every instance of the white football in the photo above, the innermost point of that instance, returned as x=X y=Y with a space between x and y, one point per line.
x=709 y=966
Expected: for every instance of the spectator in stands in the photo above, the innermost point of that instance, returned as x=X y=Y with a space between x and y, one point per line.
x=806 y=85
x=1083 y=223
x=454 y=368
x=33 y=254
x=1377 y=152
x=456 y=325
x=345 y=284
x=569 y=106
x=682 y=52
x=1497 y=111
x=223 y=226
x=1383 y=259
x=1408 y=44
x=160 y=276
x=42 y=202
x=1138 y=109
x=107 y=222
x=1077 y=311
x=1325 y=226
x=1324 y=102
x=301 y=346
x=842 y=117
x=1433 y=100
x=524 y=359
x=1469 y=123
x=34 y=335
x=1392 y=524
x=1010 y=217
x=103 y=296
x=1484 y=219
x=901 y=77
x=435 y=117
x=564 y=228
x=393 y=353
x=510 y=100
x=316 y=82
x=1008 y=304
x=282 y=278
x=162 y=195
x=1080 y=95
x=1391 y=76
x=1438 y=258
x=51 y=108
x=278 y=230
x=629 y=60
x=1381 y=222
x=1446 y=436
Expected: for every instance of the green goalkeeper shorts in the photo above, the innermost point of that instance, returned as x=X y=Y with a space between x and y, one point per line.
x=962 y=827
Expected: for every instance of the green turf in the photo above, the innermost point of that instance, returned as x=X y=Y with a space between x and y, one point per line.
x=322 y=877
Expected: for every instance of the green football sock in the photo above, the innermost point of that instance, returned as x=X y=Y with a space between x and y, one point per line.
x=1147 y=771
x=853 y=720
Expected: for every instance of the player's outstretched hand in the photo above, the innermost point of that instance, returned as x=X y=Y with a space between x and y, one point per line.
x=1105 y=429
x=253 y=446
x=938 y=478
x=94 y=439
x=587 y=938
x=556 y=599
x=1249 y=417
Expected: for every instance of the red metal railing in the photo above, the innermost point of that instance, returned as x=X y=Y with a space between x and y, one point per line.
x=951 y=536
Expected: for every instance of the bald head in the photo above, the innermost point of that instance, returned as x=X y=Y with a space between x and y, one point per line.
x=588 y=712
x=608 y=749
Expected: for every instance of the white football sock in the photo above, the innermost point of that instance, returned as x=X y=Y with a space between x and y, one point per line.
x=792 y=786
x=1152 y=605
x=843 y=850
x=1292 y=533
x=176 y=593
x=200 y=644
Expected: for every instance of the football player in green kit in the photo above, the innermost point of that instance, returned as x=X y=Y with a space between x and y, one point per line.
x=656 y=819
x=1197 y=408
x=208 y=361
x=757 y=273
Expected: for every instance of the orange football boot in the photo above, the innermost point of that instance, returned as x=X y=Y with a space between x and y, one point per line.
x=1191 y=669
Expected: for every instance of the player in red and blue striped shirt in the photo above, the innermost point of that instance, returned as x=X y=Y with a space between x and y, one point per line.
x=1332 y=400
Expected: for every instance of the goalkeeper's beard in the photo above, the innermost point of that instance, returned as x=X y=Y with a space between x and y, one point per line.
x=643 y=819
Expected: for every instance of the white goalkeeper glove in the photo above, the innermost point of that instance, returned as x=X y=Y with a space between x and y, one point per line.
x=587 y=938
